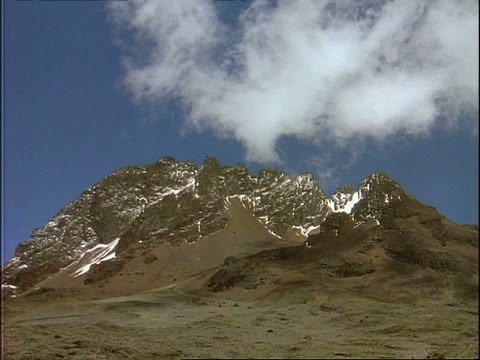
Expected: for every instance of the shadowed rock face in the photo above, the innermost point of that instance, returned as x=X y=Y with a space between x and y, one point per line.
x=240 y=272
x=103 y=271
x=340 y=267
x=175 y=203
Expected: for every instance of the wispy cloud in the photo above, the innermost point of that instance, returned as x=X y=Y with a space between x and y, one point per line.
x=310 y=69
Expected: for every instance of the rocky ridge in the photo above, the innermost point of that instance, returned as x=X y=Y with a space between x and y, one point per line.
x=175 y=202
x=169 y=202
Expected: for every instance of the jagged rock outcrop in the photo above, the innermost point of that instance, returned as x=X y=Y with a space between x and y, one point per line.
x=174 y=202
x=169 y=202
x=234 y=272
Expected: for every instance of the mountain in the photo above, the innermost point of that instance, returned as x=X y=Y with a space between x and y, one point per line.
x=153 y=225
x=171 y=261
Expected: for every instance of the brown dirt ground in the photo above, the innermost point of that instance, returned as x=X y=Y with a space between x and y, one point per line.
x=417 y=315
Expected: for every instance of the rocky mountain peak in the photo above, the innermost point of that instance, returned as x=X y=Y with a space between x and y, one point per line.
x=173 y=203
x=373 y=194
x=378 y=192
x=168 y=202
x=377 y=183
x=211 y=164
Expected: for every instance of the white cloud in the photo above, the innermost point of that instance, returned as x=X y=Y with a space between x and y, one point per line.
x=309 y=69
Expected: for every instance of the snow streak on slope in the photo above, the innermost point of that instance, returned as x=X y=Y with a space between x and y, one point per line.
x=342 y=202
x=96 y=255
x=306 y=231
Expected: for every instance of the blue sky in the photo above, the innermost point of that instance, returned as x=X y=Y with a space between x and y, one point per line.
x=91 y=86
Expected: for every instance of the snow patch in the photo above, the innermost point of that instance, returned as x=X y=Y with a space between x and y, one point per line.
x=244 y=199
x=7 y=286
x=264 y=221
x=306 y=231
x=344 y=202
x=12 y=287
x=191 y=184
x=358 y=224
x=159 y=231
x=271 y=232
x=15 y=260
x=96 y=255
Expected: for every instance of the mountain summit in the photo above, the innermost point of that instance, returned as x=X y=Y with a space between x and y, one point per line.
x=138 y=226
x=164 y=260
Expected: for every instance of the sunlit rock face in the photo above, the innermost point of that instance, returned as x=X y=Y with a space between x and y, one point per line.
x=169 y=202
x=174 y=202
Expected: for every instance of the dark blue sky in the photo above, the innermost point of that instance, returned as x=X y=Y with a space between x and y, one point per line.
x=68 y=122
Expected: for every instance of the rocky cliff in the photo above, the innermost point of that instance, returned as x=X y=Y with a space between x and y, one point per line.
x=172 y=203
